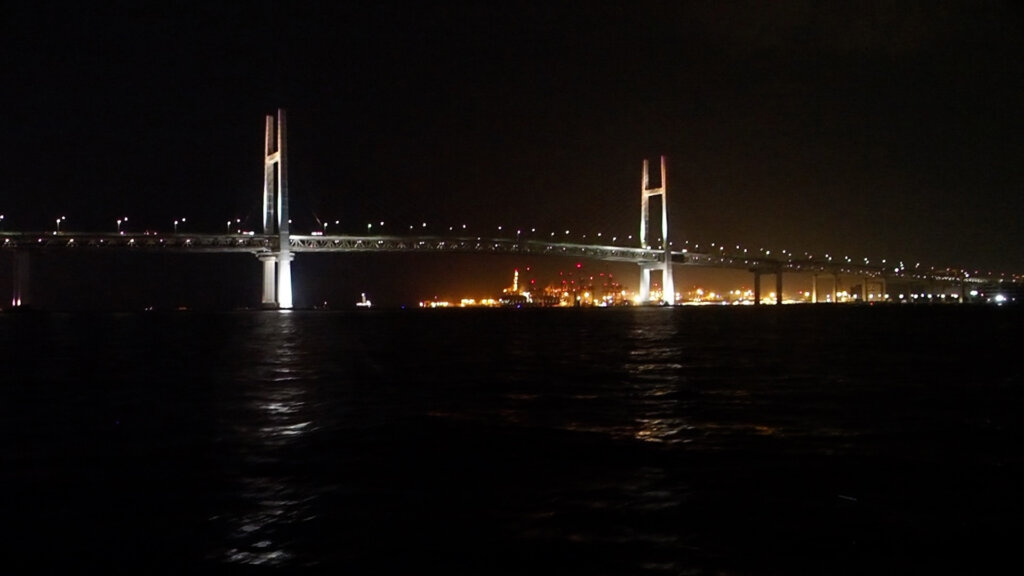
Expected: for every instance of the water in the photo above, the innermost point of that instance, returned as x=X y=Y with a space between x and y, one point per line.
x=789 y=440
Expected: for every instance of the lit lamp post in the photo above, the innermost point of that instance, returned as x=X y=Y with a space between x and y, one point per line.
x=1 y=221
x=119 y=222
x=59 y=220
x=176 y=222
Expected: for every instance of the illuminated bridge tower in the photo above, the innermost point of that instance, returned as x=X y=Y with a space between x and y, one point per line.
x=277 y=275
x=668 y=286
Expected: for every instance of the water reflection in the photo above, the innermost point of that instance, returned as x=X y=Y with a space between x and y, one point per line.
x=634 y=392
x=266 y=500
x=617 y=510
x=283 y=413
x=655 y=377
x=668 y=430
x=257 y=534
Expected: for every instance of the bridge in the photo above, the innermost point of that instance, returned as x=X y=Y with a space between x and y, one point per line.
x=276 y=247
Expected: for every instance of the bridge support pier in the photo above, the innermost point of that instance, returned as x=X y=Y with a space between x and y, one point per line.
x=668 y=287
x=20 y=278
x=778 y=286
x=269 y=280
x=645 y=283
x=865 y=296
x=814 y=288
x=757 y=285
x=277 y=280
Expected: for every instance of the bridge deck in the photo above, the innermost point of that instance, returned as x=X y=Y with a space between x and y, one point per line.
x=268 y=243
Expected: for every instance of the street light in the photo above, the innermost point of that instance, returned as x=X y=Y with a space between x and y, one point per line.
x=176 y=222
x=59 y=220
x=119 y=221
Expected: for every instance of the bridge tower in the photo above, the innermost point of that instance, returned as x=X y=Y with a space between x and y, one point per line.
x=668 y=286
x=277 y=275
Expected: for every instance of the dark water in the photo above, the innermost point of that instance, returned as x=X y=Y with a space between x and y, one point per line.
x=790 y=440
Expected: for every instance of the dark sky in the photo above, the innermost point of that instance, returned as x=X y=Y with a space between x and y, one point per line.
x=879 y=130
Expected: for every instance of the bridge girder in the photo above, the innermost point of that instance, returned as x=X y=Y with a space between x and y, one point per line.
x=269 y=243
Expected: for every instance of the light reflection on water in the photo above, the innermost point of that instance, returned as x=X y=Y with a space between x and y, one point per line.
x=661 y=388
x=265 y=508
x=619 y=441
x=657 y=377
x=258 y=533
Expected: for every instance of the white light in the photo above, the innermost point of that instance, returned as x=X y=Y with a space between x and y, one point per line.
x=284 y=285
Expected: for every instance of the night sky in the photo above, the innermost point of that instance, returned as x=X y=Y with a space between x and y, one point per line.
x=880 y=130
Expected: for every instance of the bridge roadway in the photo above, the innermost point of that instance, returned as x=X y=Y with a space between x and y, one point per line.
x=268 y=243
x=258 y=244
